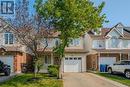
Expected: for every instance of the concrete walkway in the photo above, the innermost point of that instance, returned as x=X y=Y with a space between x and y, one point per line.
x=4 y=78
x=88 y=80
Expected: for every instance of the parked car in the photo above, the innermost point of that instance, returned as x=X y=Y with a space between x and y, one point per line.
x=120 y=67
x=4 y=68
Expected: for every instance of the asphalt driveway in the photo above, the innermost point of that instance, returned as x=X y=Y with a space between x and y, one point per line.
x=87 y=80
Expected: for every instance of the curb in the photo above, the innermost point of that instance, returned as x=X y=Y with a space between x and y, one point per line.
x=117 y=84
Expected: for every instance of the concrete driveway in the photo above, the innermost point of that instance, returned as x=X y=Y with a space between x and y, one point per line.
x=87 y=80
x=4 y=78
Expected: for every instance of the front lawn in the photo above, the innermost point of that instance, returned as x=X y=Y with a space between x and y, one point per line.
x=22 y=81
x=118 y=78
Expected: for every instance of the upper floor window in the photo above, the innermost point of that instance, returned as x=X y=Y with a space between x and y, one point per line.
x=75 y=42
x=9 y=38
x=98 y=44
x=114 y=43
x=125 y=43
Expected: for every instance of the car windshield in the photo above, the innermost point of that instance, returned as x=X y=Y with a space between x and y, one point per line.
x=119 y=62
x=126 y=62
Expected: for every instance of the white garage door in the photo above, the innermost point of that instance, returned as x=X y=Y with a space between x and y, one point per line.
x=107 y=60
x=8 y=60
x=72 y=64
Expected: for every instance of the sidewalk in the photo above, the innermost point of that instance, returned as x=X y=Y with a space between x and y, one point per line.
x=5 y=78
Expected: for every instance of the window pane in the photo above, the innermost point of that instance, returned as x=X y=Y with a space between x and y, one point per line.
x=79 y=58
x=114 y=43
x=6 y=38
x=71 y=58
x=56 y=42
x=75 y=42
x=11 y=38
x=125 y=43
x=66 y=58
x=47 y=59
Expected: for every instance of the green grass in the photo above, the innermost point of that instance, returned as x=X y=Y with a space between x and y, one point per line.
x=118 y=78
x=21 y=81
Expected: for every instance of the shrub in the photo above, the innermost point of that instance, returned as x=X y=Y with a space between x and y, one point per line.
x=53 y=70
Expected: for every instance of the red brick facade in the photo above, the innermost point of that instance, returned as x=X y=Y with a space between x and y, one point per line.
x=19 y=59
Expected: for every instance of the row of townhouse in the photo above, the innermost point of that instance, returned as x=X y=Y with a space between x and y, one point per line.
x=85 y=53
x=110 y=46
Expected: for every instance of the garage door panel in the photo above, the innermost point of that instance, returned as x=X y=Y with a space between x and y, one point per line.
x=8 y=60
x=104 y=61
x=72 y=65
x=107 y=60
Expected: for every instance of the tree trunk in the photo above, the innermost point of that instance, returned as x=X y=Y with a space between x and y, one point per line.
x=35 y=69
x=60 y=68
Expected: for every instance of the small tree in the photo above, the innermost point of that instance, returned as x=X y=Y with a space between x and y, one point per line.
x=32 y=39
x=72 y=18
x=30 y=32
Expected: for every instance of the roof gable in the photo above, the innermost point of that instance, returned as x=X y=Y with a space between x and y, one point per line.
x=114 y=33
x=118 y=28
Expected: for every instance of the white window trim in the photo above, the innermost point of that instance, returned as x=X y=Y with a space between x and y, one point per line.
x=73 y=41
x=8 y=38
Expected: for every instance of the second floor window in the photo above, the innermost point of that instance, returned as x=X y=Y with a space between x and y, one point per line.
x=114 y=43
x=99 y=44
x=9 y=38
x=75 y=42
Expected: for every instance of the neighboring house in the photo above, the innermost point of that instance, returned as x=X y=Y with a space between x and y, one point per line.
x=11 y=52
x=111 y=45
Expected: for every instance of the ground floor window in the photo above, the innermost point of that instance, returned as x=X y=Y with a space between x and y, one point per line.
x=47 y=59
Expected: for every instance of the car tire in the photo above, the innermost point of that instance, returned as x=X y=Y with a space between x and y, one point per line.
x=7 y=72
x=127 y=74
x=110 y=71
